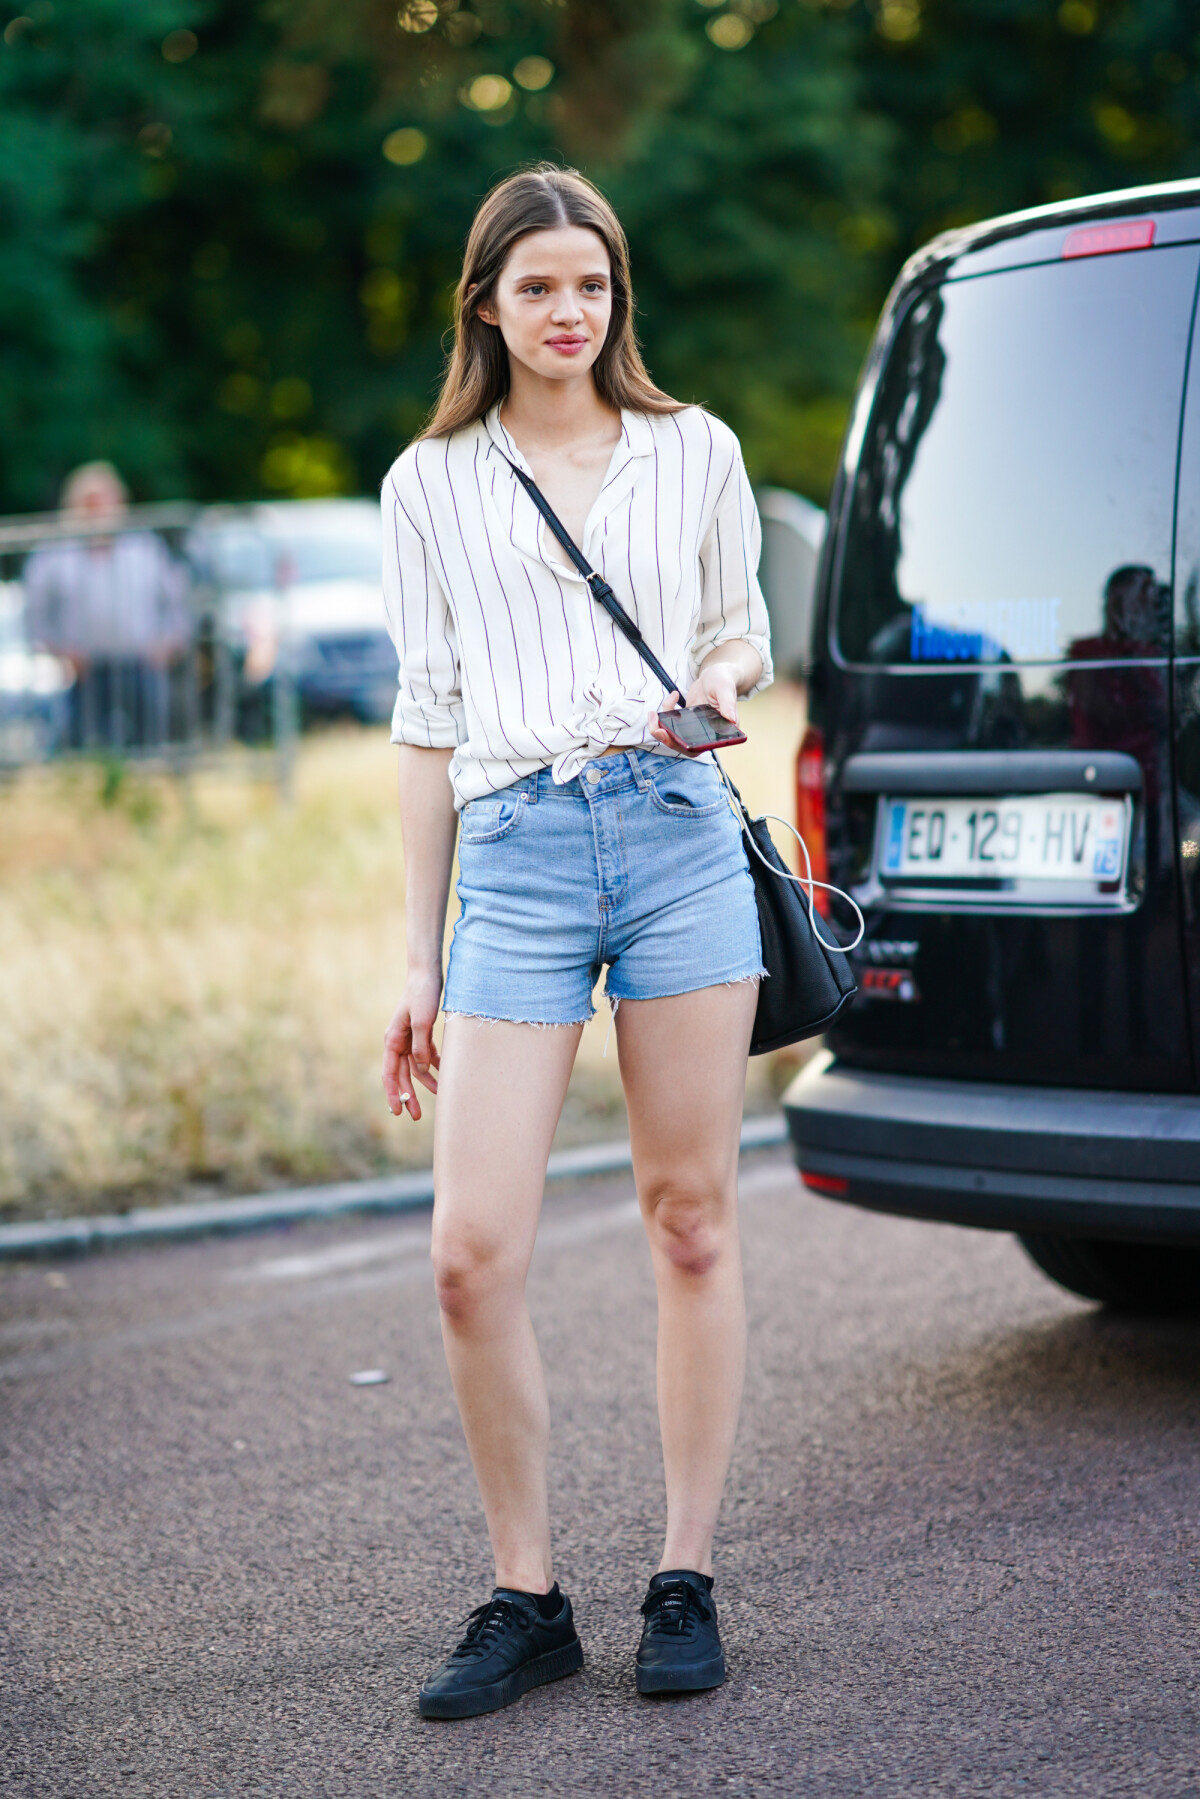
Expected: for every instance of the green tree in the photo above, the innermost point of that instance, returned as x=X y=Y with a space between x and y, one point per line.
x=228 y=234
x=232 y=270
x=1003 y=104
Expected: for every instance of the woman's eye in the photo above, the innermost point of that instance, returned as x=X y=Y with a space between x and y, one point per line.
x=535 y=290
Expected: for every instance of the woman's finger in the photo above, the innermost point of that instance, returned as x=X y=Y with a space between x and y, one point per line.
x=391 y=1075
x=719 y=689
x=671 y=704
x=424 y=1058
x=425 y=1073
x=398 y=1086
x=408 y=1090
x=727 y=699
x=397 y=1089
x=423 y=1048
x=724 y=697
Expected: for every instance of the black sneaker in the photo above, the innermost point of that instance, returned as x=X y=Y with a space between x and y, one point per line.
x=680 y=1650
x=509 y=1648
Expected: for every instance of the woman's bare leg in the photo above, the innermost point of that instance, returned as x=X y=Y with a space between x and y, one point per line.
x=500 y=1093
x=683 y=1063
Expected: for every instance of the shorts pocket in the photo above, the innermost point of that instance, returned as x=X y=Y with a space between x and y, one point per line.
x=688 y=790
x=487 y=821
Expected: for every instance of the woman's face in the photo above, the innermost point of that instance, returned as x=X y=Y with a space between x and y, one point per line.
x=553 y=301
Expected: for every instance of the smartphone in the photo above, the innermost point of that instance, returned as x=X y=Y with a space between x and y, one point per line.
x=697 y=728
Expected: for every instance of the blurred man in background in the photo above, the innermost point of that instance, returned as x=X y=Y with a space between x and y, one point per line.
x=113 y=606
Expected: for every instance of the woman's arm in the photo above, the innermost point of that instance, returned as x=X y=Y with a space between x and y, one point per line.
x=428 y=724
x=731 y=649
x=732 y=668
x=429 y=823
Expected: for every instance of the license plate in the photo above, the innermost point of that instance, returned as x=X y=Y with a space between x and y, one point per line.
x=1062 y=846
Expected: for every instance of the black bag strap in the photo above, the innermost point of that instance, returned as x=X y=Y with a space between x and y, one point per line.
x=601 y=592
x=604 y=595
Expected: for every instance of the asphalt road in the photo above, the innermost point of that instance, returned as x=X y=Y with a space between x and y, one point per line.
x=959 y=1552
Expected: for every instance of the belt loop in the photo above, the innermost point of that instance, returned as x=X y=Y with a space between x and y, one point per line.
x=535 y=781
x=635 y=762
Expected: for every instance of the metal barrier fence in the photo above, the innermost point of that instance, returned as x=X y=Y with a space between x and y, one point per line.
x=115 y=641
x=169 y=632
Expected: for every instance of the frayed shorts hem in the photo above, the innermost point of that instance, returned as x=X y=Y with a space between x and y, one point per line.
x=539 y=1024
x=613 y=997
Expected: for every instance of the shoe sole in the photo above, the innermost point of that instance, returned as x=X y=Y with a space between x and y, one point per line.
x=544 y=1668
x=696 y=1679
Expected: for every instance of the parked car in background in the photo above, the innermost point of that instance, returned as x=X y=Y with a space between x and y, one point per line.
x=300 y=579
x=1003 y=761
x=793 y=530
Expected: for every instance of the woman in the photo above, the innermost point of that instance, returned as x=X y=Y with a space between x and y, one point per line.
x=585 y=841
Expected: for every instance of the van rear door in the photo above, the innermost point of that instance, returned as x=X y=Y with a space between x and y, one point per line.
x=998 y=705
x=1187 y=695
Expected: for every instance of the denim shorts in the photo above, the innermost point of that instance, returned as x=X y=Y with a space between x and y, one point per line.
x=637 y=863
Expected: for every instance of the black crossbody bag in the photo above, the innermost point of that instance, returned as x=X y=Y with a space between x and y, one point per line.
x=809 y=979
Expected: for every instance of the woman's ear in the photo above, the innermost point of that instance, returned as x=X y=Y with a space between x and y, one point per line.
x=486 y=312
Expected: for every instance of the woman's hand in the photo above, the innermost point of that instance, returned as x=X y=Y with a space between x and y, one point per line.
x=716 y=685
x=723 y=675
x=409 y=1052
x=429 y=823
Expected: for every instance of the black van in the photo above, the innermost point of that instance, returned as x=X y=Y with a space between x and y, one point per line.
x=1003 y=763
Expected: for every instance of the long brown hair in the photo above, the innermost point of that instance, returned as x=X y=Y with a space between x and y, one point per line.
x=477 y=375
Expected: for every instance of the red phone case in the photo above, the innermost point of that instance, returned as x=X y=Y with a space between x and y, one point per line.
x=698 y=749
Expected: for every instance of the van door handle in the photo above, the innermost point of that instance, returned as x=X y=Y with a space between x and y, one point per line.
x=991 y=771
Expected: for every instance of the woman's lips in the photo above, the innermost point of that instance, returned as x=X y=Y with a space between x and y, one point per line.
x=568 y=345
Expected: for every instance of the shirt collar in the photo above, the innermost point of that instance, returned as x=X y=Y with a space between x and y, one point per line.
x=635 y=442
x=639 y=431
x=499 y=436
x=636 y=429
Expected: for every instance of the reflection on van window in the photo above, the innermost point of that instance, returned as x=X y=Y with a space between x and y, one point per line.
x=1123 y=706
x=988 y=631
x=1014 y=494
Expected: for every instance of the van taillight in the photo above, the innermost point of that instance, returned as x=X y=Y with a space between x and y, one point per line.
x=833 y=1184
x=1104 y=240
x=810 y=809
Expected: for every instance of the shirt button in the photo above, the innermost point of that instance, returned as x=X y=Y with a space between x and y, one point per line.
x=594 y=775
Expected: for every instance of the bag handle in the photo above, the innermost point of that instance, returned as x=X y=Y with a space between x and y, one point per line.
x=805 y=882
x=601 y=592
x=604 y=595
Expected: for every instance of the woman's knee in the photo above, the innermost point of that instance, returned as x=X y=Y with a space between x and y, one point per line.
x=469 y=1273
x=690 y=1221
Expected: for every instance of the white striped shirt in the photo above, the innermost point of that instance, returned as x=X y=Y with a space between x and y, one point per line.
x=504 y=655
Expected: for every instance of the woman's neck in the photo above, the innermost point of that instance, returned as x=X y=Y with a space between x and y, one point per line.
x=555 y=414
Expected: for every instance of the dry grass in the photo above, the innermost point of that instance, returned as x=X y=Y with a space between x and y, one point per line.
x=194 y=980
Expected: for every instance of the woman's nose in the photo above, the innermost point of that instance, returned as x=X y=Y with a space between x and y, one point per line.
x=567 y=310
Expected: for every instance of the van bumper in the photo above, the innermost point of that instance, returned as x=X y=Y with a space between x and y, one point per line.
x=1062 y=1161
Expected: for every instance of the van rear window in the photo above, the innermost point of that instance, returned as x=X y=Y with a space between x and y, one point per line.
x=1014 y=493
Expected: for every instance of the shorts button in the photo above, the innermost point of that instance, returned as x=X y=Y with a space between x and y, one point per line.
x=594 y=775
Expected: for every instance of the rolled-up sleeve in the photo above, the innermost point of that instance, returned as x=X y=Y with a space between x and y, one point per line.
x=732 y=606
x=429 y=707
